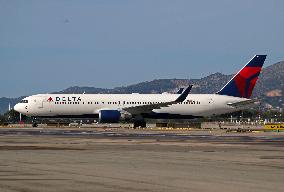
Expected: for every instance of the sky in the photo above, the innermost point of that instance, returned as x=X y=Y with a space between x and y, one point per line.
x=47 y=46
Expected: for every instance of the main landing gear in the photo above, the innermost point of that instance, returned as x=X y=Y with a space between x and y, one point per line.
x=139 y=122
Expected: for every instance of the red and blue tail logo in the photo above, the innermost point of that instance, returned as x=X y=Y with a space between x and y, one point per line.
x=242 y=84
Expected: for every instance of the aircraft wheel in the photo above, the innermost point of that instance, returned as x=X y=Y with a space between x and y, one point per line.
x=34 y=123
x=139 y=122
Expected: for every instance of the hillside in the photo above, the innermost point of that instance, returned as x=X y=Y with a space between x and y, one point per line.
x=269 y=88
x=203 y=85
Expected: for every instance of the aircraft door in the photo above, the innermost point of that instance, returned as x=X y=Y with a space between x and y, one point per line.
x=38 y=102
x=47 y=105
x=119 y=104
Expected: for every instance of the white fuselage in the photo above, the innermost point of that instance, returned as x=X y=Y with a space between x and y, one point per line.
x=50 y=105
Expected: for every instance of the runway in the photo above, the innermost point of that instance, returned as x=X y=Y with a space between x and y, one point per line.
x=203 y=135
x=57 y=159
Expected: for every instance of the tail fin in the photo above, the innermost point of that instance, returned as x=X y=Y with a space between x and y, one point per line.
x=242 y=84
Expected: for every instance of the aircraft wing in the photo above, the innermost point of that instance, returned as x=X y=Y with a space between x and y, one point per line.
x=243 y=103
x=149 y=108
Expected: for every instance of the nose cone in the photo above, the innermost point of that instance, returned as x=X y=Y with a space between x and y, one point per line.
x=19 y=108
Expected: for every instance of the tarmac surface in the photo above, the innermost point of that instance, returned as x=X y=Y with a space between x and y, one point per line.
x=72 y=159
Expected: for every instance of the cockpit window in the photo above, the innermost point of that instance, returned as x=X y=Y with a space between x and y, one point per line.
x=24 y=101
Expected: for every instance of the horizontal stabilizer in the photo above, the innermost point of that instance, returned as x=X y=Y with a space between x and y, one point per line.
x=244 y=103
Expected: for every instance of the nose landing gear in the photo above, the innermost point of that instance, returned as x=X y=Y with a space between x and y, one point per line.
x=34 y=123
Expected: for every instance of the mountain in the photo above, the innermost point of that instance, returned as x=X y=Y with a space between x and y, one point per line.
x=269 y=88
x=209 y=84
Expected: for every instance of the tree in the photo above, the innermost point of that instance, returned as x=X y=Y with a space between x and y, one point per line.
x=2 y=120
x=13 y=116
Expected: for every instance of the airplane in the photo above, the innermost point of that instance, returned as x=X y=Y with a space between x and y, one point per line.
x=110 y=108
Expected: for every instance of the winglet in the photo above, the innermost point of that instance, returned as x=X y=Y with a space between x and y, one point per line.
x=180 y=90
x=183 y=96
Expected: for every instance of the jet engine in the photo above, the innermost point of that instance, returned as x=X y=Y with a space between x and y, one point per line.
x=109 y=116
x=113 y=116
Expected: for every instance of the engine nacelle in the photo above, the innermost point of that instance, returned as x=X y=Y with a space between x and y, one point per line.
x=109 y=116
